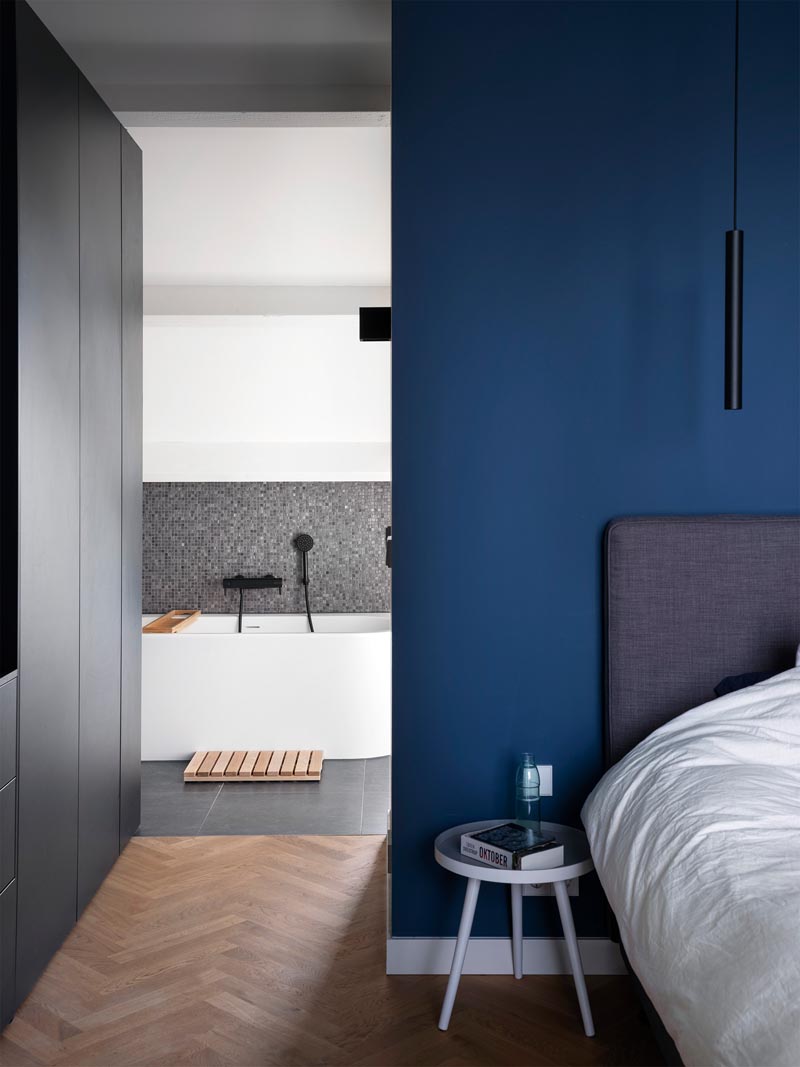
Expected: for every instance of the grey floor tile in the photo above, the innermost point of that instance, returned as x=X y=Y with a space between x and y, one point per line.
x=378 y=774
x=374 y=806
x=339 y=778
x=279 y=809
x=374 y=813
x=384 y=790
x=340 y=774
x=163 y=775
x=183 y=826
x=169 y=807
x=375 y=823
x=164 y=782
x=381 y=797
x=175 y=816
x=353 y=796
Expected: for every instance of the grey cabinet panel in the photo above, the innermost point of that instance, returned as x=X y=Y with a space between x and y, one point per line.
x=8 y=731
x=8 y=928
x=8 y=833
x=49 y=404
x=8 y=341
x=101 y=493
x=131 y=732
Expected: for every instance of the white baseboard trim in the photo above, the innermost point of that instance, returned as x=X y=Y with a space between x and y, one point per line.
x=492 y=955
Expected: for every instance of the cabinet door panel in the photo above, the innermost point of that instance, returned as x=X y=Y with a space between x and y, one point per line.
x=49 y=404
x=9 y=430
x=8 y=731
x=8 y=833
x=8 y=920
x=101 y=493
x=131 y=733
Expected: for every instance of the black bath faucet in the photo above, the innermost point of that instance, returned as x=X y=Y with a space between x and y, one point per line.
x=269 y=581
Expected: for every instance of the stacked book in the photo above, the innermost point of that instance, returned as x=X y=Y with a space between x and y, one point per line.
x=513 y=847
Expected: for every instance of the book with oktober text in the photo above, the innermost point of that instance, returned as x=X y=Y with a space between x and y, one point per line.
x=513 y=847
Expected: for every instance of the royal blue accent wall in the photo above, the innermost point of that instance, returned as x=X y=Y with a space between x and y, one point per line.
x=561 y=191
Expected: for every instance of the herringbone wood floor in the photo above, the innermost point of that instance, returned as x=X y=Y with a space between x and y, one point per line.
x=270 y=950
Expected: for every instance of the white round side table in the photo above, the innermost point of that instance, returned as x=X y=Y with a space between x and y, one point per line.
x=577 y=861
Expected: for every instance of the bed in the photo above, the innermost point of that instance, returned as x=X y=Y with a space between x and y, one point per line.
x=695 y=827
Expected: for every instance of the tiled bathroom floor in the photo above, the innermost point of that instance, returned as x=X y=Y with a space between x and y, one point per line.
x=351 y=798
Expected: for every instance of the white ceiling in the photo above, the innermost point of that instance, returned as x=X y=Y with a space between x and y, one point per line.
x=266 y=207
x=229 y=55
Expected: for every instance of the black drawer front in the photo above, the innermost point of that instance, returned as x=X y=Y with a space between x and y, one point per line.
x=8 y=731
x=8 y=833
x=8 y=953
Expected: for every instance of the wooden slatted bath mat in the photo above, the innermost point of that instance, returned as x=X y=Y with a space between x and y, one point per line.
x=257 y=765
x=172 y=623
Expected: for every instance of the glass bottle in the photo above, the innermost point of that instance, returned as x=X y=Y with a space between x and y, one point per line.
x=527 y=806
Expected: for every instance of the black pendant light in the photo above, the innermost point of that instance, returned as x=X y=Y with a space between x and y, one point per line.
x=734 y=262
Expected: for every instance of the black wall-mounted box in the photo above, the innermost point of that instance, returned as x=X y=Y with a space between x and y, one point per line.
x=374 y=324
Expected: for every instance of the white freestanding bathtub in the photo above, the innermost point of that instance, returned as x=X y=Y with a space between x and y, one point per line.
x=275 y=685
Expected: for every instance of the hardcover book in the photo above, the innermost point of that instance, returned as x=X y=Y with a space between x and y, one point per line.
x=513 y=847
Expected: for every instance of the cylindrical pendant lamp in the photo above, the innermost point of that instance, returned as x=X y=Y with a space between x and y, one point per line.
x=734 y=250
x=734 y=264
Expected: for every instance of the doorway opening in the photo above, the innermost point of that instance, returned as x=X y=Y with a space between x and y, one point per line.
x=266 y=470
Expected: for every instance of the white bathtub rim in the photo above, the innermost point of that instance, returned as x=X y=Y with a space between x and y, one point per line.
x=296 y=619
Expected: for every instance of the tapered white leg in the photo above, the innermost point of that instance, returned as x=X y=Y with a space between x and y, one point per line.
x=462 y=942
x=516 y=928
x=567 y=925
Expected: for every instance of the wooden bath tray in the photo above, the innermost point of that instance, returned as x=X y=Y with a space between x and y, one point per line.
x=256 y=765
x=171 y=623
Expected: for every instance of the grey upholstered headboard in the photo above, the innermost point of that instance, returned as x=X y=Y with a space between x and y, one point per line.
x=689 y=601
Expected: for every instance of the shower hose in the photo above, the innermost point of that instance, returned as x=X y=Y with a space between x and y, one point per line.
x=308 y=611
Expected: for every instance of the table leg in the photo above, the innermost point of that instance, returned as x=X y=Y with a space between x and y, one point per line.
x=567 y=925
x=516 y=928
x=462 y=942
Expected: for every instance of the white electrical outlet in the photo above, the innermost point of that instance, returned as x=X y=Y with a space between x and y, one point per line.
x=573 y=888
x=545 y=780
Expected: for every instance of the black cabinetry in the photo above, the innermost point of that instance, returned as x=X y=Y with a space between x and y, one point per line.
x=70 y=351
x=101 y=492
x=8 y=831
x=49 y=498
x=131 y=725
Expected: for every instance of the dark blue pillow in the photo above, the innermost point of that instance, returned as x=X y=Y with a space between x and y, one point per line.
x=735 y=682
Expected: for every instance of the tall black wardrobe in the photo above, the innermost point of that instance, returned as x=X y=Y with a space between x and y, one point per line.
x=71 y=396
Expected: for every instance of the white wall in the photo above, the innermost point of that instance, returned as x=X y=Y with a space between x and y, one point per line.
x=252 y=237
x=288 y=398
x=306 y=206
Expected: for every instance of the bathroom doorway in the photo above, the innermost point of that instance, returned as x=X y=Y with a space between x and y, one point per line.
x=266 y=496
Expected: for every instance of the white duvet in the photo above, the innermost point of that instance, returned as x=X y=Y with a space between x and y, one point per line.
x=696 y=838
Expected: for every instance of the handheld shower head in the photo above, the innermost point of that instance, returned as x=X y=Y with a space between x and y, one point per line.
x=304 y=543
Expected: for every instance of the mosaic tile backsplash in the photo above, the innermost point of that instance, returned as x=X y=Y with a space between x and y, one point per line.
x=197 y=533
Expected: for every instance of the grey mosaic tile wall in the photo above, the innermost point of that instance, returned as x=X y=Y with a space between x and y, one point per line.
x=197 y=533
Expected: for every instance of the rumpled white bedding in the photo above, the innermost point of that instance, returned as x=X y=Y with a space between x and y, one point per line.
x=695 y=835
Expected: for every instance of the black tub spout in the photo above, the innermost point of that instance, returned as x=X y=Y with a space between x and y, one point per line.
x=268 y=581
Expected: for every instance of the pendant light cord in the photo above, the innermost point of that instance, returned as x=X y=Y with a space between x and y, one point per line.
x=736 y=115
